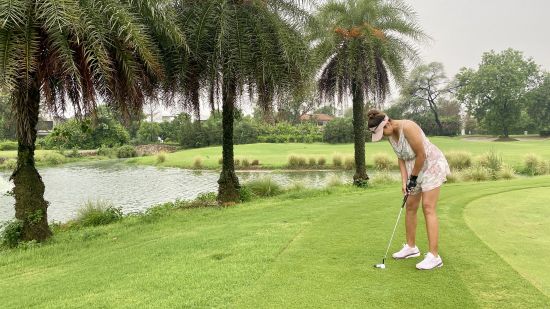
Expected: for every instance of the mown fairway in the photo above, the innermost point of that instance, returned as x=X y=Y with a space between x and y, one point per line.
x=301 y=249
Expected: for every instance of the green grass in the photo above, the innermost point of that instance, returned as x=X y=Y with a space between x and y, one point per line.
x=46 y=158
x=300 y=249
x=516 y=225
x=275 y=156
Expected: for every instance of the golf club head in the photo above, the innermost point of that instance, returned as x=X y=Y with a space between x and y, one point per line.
x=381 y=266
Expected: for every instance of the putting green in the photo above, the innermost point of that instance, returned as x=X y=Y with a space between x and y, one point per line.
x=516 y=225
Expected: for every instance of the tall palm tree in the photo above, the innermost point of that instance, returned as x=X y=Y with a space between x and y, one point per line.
x=360 y=45
x=55 y=53
x=243 y=46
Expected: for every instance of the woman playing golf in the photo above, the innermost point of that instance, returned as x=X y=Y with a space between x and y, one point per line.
x=423 y=170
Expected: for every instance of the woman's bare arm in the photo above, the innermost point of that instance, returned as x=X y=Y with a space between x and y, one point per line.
x=413 y=134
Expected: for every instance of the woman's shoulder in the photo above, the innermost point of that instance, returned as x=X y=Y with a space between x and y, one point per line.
x=410 y=128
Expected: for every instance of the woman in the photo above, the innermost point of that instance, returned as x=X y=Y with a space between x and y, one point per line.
x=423 y=170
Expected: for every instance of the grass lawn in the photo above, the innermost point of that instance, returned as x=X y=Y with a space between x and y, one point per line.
x=301 y=249
x=275 y=156
x=516 y=225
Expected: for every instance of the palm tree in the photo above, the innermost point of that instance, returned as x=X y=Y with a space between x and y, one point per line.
x=55 y=53
x=359 y=45
x=243 y=46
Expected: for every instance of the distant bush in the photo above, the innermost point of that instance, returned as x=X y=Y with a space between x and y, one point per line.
x=349 y=163
x=459 y=159
x=337 y=160
x=52 y=158
x=8 y=145
x=126 y=151
x=534 y=165
x=161 y=157
x=383 y=178
x=476 y=173
x=382 y=162
x=197 y=163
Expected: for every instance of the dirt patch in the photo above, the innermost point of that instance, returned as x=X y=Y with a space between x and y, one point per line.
x=154 y=149
x=506 y=139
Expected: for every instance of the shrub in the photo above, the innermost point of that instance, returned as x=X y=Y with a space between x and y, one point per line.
x=106 y=152
x=382 y=162
x=126 y=151
x=321 y=161
x=255 y=162
x=506 y=172
x=334 y=181
x=297 y=186
x=459 y=160
x=383 y=178
x=337 y=160
x=197 y=162
x=312 y=162
x=161 y=157
x=534 y=165
x=10 y=164
x=220 y=161
x=349 y=163
x=246 y=163
x=98 y=213
x=11 y=234
x=454 y=177
x=302 y=161
x=237 y=162
x=294 y=161
x=264 y=187
x=8 y=145
x=476 y=173
x=245 y=194
x=52 y=158
x=491 y=161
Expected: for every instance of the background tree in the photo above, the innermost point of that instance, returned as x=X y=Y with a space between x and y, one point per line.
x=495 y=92
x=539 y=105
x=359 y=44
x=429 y=84
x=243 y=46
x=59 y=52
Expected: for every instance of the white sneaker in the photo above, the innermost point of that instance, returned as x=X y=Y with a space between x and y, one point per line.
x=430 y=262
x=406 y=253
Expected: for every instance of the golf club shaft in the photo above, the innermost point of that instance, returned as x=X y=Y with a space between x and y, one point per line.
x=395 y=227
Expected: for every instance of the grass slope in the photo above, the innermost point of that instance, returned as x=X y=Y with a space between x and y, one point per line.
x=302 y=249
x=276 y=155
x=516 y=225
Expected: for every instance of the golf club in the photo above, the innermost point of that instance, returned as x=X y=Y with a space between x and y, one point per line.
x=383 y=265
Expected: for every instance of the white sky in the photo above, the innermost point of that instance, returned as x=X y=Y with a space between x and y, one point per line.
x=463 y=30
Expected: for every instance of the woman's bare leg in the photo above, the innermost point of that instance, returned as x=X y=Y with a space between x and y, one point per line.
x=429 y=204
x=413 y=201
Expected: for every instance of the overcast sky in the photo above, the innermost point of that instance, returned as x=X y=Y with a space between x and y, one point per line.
x=463 y=30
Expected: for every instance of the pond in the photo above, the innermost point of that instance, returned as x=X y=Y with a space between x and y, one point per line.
x=136 y=188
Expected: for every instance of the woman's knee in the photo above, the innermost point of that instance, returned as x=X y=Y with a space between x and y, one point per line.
x=428 y=208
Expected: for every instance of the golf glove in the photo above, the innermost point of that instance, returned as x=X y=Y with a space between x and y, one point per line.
x=412 y=183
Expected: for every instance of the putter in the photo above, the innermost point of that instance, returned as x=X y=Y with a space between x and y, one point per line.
x=383 y=265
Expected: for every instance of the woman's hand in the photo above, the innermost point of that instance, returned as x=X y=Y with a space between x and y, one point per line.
x=404 y=188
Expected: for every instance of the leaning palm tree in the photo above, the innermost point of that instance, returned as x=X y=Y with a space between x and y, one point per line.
x=55 y=53
x=243 y=46
x=360 y=45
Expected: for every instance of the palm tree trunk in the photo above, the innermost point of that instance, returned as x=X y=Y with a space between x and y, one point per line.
x=30 y=205
x=360 y=178
x=228 y=191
